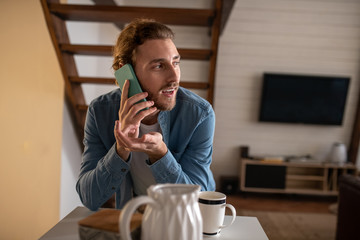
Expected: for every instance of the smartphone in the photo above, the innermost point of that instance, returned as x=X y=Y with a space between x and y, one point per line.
x=127 y=72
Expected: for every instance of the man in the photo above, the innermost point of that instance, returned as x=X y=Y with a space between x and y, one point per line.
x=130 y=145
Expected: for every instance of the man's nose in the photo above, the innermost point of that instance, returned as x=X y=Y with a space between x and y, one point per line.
x=173 y=74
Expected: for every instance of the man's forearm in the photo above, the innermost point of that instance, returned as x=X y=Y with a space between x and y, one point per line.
x=100 y=179
x=168 y=170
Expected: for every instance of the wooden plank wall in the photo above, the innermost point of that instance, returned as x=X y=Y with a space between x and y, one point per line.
x=302 y=36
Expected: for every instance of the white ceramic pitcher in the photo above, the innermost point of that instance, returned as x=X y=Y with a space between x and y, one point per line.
x=172 y=212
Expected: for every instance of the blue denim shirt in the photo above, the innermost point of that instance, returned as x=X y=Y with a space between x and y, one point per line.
x=188 y=131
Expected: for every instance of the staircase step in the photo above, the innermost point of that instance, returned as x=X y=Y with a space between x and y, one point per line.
x=102 y=80
x=103 y=50
x=122 y=14
x=95 y=50
x=95 y=80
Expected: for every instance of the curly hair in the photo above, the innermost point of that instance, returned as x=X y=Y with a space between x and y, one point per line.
x=134 y=35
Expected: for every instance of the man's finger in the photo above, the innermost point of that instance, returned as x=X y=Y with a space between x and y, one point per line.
x=144 y=113
x=134 y=144
x=124 y=93
x=151 y=138
x=119 y=134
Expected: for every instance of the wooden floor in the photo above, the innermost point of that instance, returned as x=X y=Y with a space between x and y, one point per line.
x=281 y=202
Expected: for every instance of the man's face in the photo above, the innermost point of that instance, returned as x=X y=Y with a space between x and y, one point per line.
x=157 y=68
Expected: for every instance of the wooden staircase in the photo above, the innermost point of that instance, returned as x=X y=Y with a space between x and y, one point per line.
x=57 y=14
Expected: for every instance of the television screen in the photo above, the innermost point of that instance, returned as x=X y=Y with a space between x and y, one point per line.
x=303 y=99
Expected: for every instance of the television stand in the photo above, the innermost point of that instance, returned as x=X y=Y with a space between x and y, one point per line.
x=292 y=177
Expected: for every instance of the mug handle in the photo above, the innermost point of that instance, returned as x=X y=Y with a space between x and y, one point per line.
x=127 y=212
x=233 y=213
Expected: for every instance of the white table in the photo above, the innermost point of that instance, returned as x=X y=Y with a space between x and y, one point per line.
x=243 y=228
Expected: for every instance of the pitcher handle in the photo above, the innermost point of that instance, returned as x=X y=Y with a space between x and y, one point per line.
x=127 y=212
x=233 y=213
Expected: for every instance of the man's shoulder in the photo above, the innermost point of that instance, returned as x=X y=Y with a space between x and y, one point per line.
x=111 y=97
x=186 y=97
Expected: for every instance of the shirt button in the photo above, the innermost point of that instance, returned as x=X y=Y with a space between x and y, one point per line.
x=123 y=169
x=113 y=188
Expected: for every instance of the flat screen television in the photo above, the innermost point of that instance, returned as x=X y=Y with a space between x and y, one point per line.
x=291 y=98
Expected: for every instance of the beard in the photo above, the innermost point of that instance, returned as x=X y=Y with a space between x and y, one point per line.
x=164 y=105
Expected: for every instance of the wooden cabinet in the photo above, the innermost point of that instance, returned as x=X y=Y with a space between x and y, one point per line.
x=290 y=177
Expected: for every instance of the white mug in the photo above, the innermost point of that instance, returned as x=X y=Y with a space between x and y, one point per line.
x=212 y=207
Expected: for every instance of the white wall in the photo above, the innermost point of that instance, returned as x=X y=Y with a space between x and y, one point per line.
x=31 y=106
x=303 y=36
x=70 y=162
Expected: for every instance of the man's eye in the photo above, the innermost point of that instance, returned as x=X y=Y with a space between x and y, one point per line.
x=158 y=66
x=176 y=63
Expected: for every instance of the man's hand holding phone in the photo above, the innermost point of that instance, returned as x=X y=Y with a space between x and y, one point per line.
x=130 y=116
x=133 y=109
